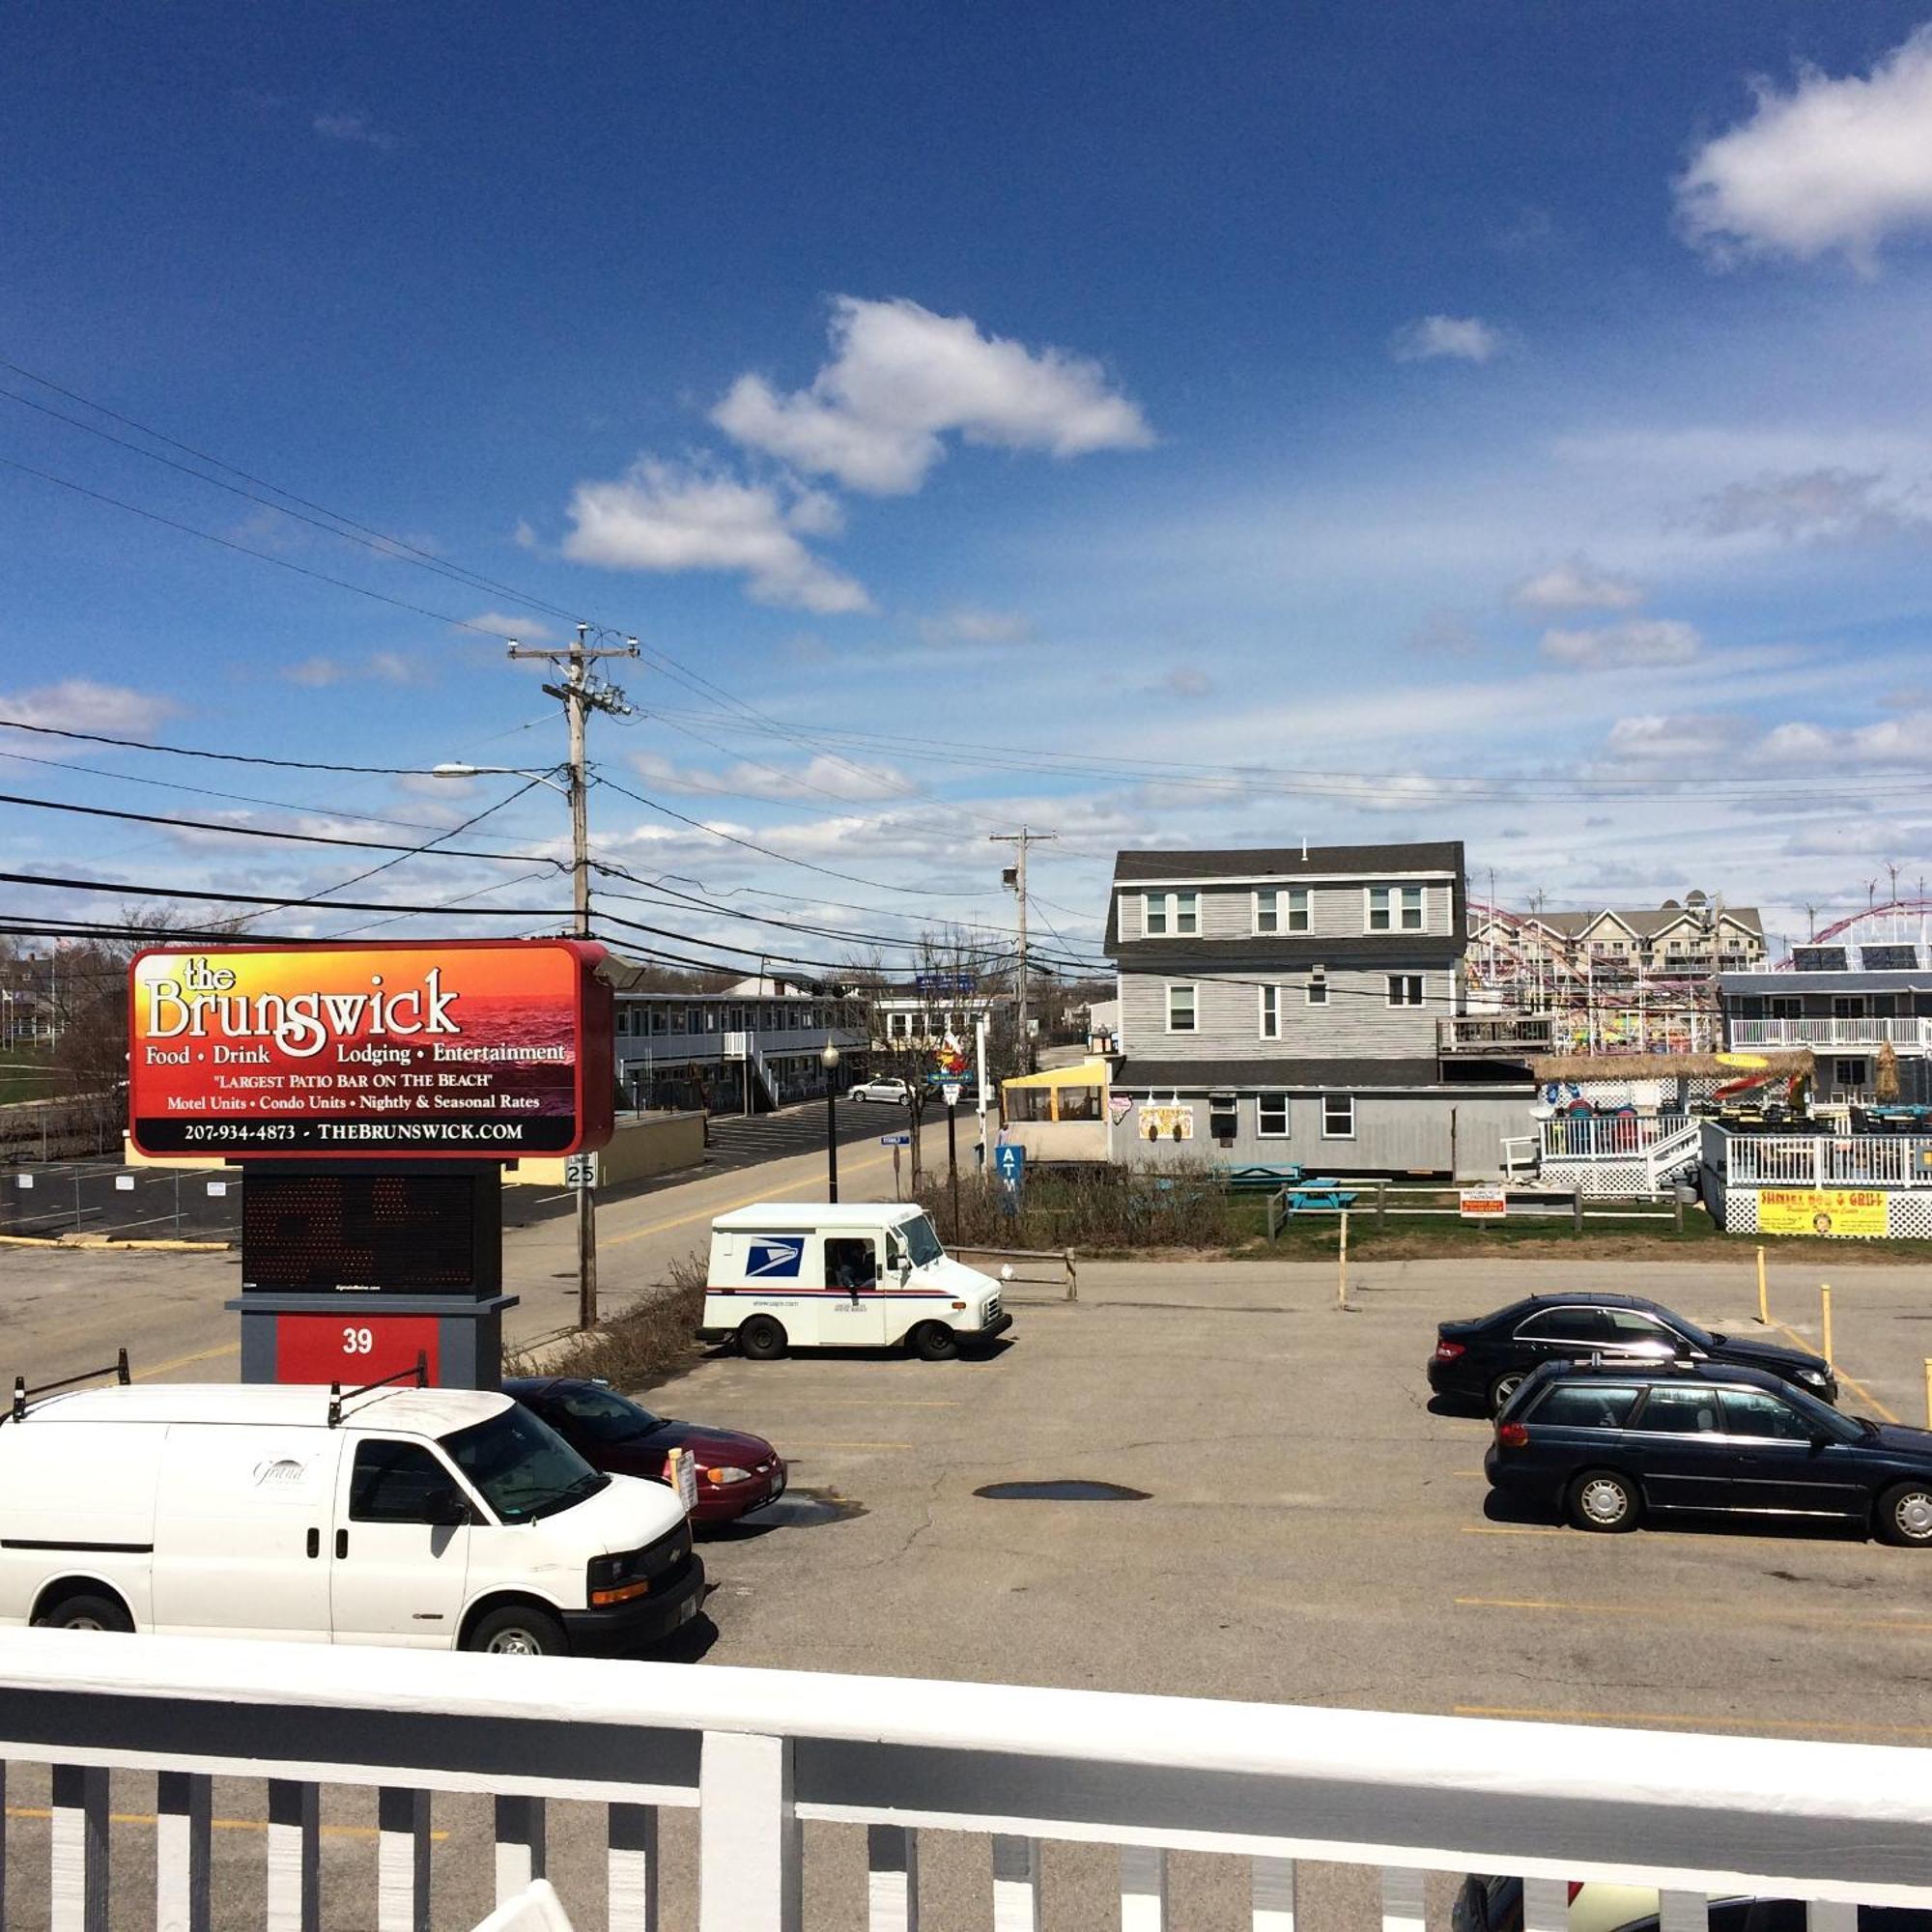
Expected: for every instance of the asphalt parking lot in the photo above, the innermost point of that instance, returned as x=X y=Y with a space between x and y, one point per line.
x=1308 y=1531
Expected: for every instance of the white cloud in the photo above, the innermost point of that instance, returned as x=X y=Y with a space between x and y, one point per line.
x=965 y=624
x=672 y=517
x=901 y=378
x=1463 y=338
x=383 y=666
x=1575 y=585
x=1685 y=739
x=1187 y=681
x=81 y=704
x=348 y=126
x=1643 y=640
x=1834 y=165
x=820 y=776
x=508 y=624
x=1815 y=505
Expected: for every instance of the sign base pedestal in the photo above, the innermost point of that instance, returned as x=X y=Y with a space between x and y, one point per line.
x=357 y=1338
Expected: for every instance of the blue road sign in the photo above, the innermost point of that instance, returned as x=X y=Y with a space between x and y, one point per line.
x=895 y=1140
x=1009 y=1163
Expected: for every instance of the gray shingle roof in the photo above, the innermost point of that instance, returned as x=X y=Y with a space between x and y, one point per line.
x=1442 y=856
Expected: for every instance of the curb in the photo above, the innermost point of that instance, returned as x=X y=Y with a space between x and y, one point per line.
x=72 y=1242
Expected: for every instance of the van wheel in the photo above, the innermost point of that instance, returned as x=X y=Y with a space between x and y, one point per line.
x=1602 y=1500
x=934 y=1342
x=88 y=1612
x=518 y=1630
x=761 y=1339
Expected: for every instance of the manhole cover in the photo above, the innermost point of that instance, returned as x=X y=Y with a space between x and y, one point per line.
x=1064 y=1490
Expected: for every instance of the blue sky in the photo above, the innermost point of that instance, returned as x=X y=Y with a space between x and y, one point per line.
x=1496 y=420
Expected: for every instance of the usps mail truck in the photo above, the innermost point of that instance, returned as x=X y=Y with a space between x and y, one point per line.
x=864 y=1275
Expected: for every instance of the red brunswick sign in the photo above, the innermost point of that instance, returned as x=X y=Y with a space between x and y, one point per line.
x=483 y=1049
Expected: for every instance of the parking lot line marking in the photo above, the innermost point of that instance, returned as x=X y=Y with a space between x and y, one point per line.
x=849 y=1445
x=186 y=1361
x=871 y=1402
x=1698 y=1613
x=1509 y=1530
x=1852 y=1383
x=727 y=1206
x=42 y=1813
x=1843 y=1727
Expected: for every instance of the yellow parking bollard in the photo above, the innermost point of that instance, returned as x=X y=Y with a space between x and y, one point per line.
x=1342 y=1265
x=1763 y=1296
x=1824 y=1302
x=1928 y=1391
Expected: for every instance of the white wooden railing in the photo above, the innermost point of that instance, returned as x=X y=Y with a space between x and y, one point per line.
x=1608 y=1136
x=1869 y=1032
x=759 y=1752
x=1807 y=1160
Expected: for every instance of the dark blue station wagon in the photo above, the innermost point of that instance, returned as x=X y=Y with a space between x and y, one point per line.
x=1609 y=1444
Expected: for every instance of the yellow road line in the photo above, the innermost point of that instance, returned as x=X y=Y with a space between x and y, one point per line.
x=1852 y=1383
x=43 y=1812
x=187 y=1361
x=1696 y=1613
x=794 y=1446
x=868 y=1401
x=727 y=1206
x=1842 y=1727
x=1508 y=1529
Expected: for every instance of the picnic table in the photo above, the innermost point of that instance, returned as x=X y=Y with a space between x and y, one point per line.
x=1318 y=1194
x=1259 y=1179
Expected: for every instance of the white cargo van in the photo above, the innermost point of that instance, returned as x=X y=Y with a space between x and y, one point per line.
x=868 y=1275
x=443 y=1519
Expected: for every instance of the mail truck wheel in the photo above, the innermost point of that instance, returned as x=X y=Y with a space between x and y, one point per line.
x=761 y=1339
x=934 y=1342
x=88 y=1611
x=518 y=1630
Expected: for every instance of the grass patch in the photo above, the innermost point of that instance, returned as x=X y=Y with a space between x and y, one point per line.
x=635 y=1348
x=1100 y=1210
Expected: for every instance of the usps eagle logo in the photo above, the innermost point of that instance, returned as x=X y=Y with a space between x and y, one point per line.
x=775 y=1259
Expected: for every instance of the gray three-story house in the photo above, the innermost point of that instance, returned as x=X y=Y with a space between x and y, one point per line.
x=1283 y=1005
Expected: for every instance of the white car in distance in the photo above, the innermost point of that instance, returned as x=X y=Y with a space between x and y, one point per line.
x=893 y=1092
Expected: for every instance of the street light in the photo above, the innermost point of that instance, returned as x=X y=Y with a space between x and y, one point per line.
x=451 y=769
x=829 y=1060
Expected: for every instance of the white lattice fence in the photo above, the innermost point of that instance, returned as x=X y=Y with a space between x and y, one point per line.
x=1597 y=1178
x=1908 y=1215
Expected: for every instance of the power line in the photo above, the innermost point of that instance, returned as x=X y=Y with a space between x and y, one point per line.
x=221 y=757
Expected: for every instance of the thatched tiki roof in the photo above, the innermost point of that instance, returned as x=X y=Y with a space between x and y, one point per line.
x=1666 y=1066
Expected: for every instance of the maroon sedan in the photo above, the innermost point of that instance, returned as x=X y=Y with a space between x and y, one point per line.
x=736 y=1473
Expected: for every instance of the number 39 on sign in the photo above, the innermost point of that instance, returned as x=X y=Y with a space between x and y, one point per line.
x=326 y=1349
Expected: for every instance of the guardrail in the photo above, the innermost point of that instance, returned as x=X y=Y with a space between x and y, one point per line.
x=1063 y=1257
x=759 y=1753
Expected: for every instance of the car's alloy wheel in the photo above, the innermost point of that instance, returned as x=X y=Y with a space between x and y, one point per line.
x=1906 y=1515
x=1603 y=1502
x=1500 y=1391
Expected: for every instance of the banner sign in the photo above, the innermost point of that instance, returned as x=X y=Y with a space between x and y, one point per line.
x=486 y=1049
x=1166 y=1123
x=1829 y=1210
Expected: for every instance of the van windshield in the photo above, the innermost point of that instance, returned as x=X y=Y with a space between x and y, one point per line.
x=524 y=1468
x=921 y=1243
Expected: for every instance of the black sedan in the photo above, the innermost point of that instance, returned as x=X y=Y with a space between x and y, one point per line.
x=1484 y=1360
x=1609 y=1444
x=736 y=1473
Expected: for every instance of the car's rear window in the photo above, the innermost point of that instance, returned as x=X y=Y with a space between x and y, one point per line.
x=1585 y=1406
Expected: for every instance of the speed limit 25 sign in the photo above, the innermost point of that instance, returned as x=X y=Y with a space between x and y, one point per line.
x=353 y=1346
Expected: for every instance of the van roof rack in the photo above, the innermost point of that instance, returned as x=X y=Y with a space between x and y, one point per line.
x=338 y=1395
x=23 y=1395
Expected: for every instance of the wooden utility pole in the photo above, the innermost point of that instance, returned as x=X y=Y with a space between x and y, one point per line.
x=1020 y=840
x=580 y=696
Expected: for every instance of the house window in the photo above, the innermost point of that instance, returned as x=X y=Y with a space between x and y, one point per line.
x=1297 y=909
x=1405 y=989
x=1268 y=910
x=1395 y=909
x=896 y=1026
x=1270 y=1005
x=1223 y=1118
x=677 y=1019
x=1338 y=1117
x=1318 y=986
x=1177 y=913
x=1785 y=1006
x=1849 y=1073
x=1181 y=1009
x=1271 y=1117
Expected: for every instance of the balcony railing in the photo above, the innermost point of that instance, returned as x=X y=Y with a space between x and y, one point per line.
x=759 y=1753
x=1495 y=1033
x=1877 y=1030
x=1807 y=1160
x=1608 y=1136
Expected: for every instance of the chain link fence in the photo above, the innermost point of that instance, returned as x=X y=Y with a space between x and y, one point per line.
x=136 y=1204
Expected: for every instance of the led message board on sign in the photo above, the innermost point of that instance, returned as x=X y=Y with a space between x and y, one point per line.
x=482 y=1049
x=379 y=1230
